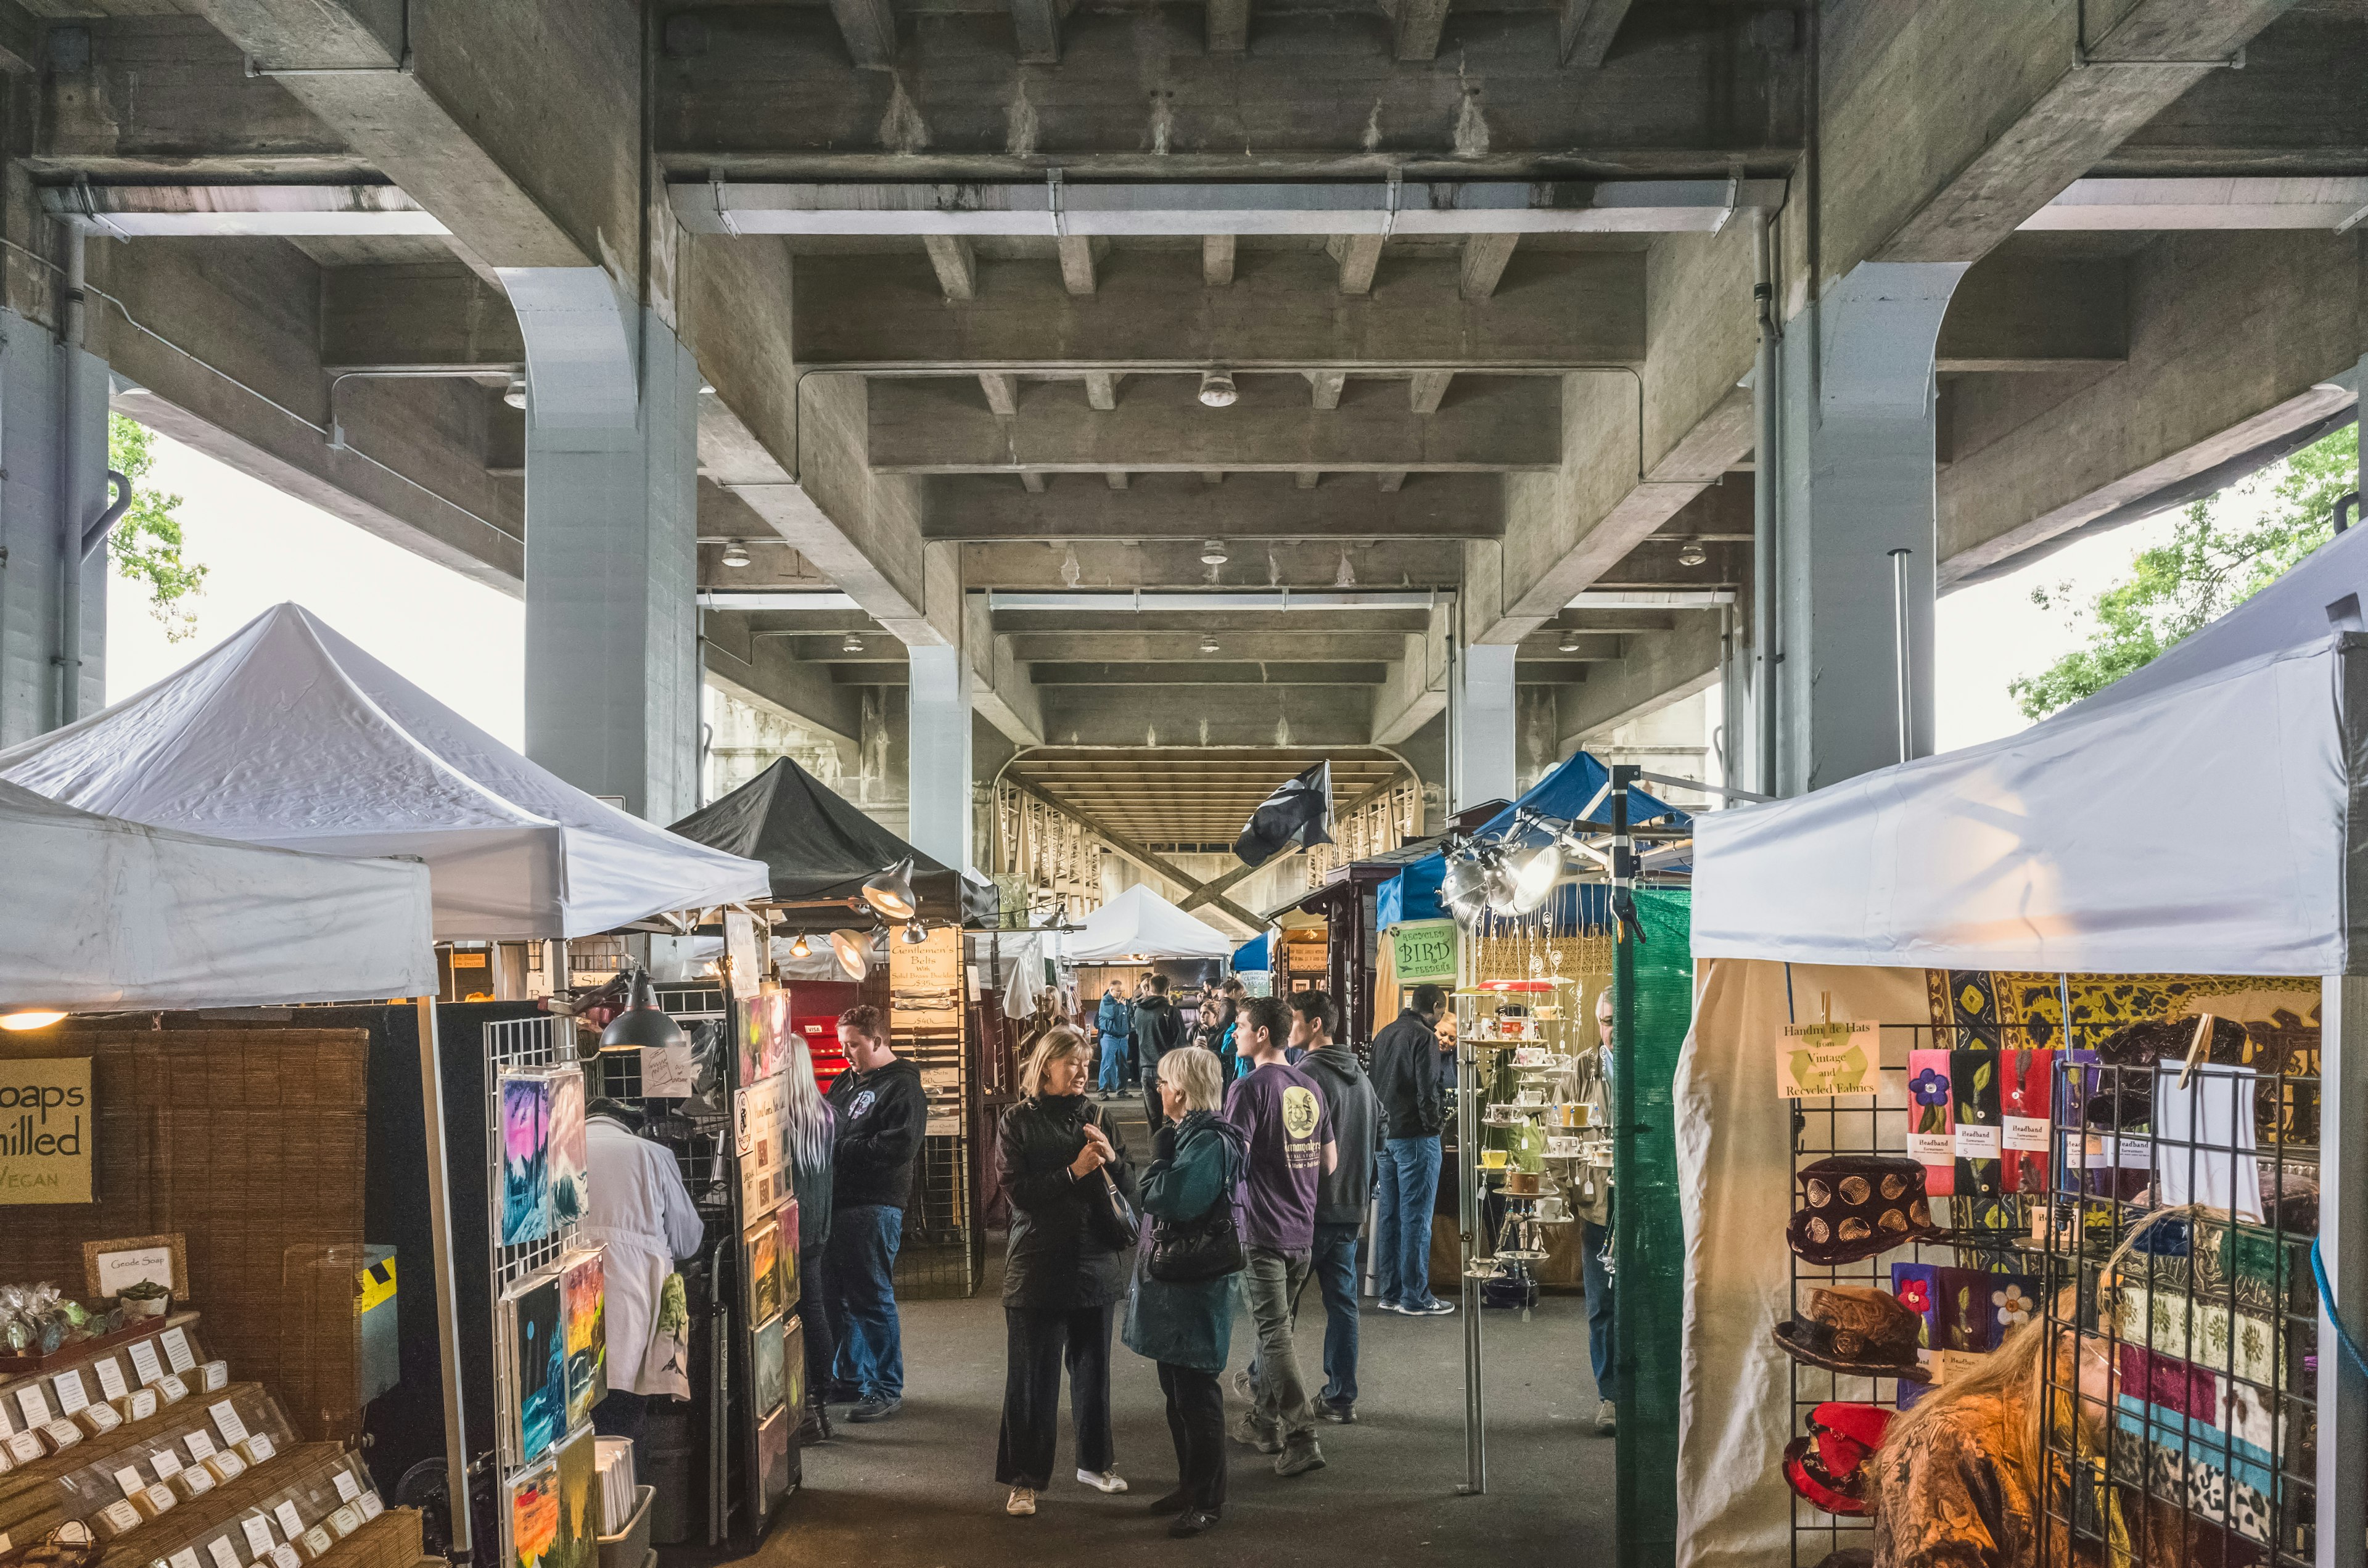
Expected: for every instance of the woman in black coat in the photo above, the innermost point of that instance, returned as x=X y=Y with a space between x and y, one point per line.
x=1062 y=1283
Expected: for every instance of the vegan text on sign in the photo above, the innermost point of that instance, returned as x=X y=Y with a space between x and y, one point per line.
x=46 y=1123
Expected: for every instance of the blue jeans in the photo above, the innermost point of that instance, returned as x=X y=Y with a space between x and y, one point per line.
x=1335 y=1268
x=1592 y=1240
x=1401 y=1244
x=860 y=1264
x=1113 y=1077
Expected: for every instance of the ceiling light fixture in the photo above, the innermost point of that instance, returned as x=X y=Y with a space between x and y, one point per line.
x=853 y=645
x=736 y=554
x=643 y=1023
x=891 y=892
x=1217 y=388
x=801 y=947
x=1569 y=644
x=1212 y=552
x=514 y=393
x=914 y=933
x=1208 y=644
x=1692 y=553
x=853 y=950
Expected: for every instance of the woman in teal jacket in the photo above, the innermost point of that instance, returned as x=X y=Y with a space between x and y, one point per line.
x=1196 y=1159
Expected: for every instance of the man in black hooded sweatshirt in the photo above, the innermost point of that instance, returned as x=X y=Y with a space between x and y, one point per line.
x=883 y=1114
x=1158 y=1030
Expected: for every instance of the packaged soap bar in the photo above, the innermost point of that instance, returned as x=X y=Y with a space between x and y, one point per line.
x=171 y=1389
x=119 y=1517
x=226 y=1465
x=345 y=1521
x=98 y=1419
x=137 y=1405
x=286 y=1556
x=316 y=1542
x=25 y=1446
x=216 y=1375
x=257 y=1447
x=370 y=1506
x=60 y=1435
x=194 y=1481
x=154 y=1500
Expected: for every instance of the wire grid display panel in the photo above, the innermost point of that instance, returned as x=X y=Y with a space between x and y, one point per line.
x=1987 y=1237
x=2180 y=1410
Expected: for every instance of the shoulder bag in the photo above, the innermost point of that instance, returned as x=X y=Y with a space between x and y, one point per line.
x=1192 y=1252
x=1109 y=1216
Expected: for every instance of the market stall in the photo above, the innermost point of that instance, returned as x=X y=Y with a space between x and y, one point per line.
x=2051 y=920
x=163 y=1335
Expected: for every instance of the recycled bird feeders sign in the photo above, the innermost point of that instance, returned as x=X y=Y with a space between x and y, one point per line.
x=1424 y=950
x=1837 y=1057
x=47 y=1117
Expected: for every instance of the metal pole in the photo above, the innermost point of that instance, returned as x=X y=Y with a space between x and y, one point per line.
x=1764 y=479
x=1626 y=1548
x=1468 y=1213
x=448 y=1295
x=2342 y=1490
x=1899 y=639
x=66 y=383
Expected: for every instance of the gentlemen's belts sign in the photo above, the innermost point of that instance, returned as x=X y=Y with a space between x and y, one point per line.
x=1425 y=950
x=46 y=1122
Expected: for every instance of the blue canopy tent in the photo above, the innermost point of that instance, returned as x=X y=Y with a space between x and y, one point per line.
x=1568 y=791
x=1253 y=954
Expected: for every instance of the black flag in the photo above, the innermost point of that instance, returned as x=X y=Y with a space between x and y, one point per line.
x=1299 y=813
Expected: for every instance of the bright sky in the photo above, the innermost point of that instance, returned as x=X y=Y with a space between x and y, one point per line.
x=462 y=641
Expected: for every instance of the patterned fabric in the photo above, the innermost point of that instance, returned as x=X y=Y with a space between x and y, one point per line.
x=1932 y=1141
x=1980 y=1195
x=1941 y=1500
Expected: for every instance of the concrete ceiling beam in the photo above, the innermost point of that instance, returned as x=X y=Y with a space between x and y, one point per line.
x=2014 y=313
x=1216 y=260
x=1358 y=257
x=2164 y=203
x=767 y=95
x=1209 y=671
x=868 y=27
x=956 y=266
x=1183 y=648
x=1036 y=31
x=1485 y=257
x=1191 y=718
x=1246 y=513
x=1418 y=563
x=1415 y=28
x=418 y=317
x=1494 y=424
x=1325 y=388
x=1573 y=308
x=1127 y=623
x=1587 y=29
x=1076 y=264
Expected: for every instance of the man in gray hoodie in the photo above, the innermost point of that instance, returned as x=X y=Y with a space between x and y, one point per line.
x=1343 y=1196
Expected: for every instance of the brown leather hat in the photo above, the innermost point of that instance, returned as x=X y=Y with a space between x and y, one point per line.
x=1855 y=1329
x=1854 y=1206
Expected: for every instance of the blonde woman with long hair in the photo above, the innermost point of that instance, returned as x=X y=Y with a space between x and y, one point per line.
x=1061 y=1281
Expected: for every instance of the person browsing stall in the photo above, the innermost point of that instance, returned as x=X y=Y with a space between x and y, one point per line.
x=1280 y=1109
x=1343 y=1196
x=1413 y=1108
x=883 y=1114
x=1158 y=1030
x=637 y=1206
x=1061 y=1278
x=1113 y=1020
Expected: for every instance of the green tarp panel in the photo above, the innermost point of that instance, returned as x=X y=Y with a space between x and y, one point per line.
x=1653 y=1002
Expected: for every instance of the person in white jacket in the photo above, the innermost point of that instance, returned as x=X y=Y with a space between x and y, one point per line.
x=638 y=1208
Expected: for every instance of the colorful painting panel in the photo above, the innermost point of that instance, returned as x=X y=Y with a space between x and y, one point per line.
x=534 y=1518
x=537 y=1351
x=526 y=1158
x=792 y=1286
x=579 y=1498
x=566 y=1145
x=760 y=1251
x=773 y=1455
x=793 y=1363
x=767 y=1376
x=584 y=1287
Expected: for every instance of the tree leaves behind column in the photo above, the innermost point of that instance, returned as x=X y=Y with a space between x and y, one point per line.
x=2207 y=567
x=146 y=543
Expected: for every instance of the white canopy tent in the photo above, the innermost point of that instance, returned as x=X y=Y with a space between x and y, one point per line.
x=2206 y=814
x=106 y=915
x=1138 y=922
x=290 y=735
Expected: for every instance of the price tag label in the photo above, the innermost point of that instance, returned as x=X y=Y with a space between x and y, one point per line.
x=370 y=1506
x=34 y=1406
x=145 y=1365
x=185 y=1558
x=258 y=1530
x=225 y=1555
x=127 y=1479
x=1975 y=1142
x=72 y=1394
x=201 y=1443
x=291 y=1523
x=348 y=1487
x=1931 y=1147
x=166 y=1462
x=111 y=1376
x=2027 y=1134
x=227 y=1421
x=178 y=1354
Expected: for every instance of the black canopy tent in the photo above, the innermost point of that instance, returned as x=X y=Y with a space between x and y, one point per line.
x=820 y=848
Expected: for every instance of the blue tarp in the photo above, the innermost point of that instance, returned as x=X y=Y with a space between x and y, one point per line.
x=1413 y=893
x=1252 y=954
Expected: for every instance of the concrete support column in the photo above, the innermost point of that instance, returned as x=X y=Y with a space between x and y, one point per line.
x=611 y=569
x=1855 y=377
x=42 y=500
x=1481 y=725
x=939 y=747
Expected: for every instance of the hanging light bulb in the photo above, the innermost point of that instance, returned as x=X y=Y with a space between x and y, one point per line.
x=1569 y=644
x=801 y=947
x=1217 y=388
x=1692 y=553
x=915 y=933
x=643 y=1023
x=1462 y=887
x=1534 y=877
x=853 y=950
x=736 y=554
x=1212 y=552
x=891 y=892
x=29 y=1018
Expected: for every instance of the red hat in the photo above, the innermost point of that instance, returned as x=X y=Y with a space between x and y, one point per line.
x=1828 y=1467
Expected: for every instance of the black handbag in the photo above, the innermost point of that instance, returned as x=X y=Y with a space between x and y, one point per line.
x=1109 y=1216
x=1192 y=1251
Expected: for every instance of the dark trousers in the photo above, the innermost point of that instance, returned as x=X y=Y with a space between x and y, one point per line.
x=1196 y=1423
x=821 y=1344
x=1152 y=1110
x=1037 y=1342
x=622 y=1414
x=859 y=1260
x=1593 y=1240
x=1334 y=1269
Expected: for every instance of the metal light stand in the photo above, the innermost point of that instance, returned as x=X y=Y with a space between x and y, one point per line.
x=1467 y=1207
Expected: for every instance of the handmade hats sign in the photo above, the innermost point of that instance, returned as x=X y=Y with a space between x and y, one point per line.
x=1836 y=1057
x=46 y=1120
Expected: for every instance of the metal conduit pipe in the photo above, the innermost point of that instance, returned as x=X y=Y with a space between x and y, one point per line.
x=1765 y=475
x=66 y=489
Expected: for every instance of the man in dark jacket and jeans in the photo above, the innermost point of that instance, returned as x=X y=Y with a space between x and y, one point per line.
x=882 y=1115
x=1414 y=1108
x=1342 y=1194
x=1158 y=1030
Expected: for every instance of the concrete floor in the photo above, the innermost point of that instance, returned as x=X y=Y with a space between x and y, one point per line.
x=918 y=1491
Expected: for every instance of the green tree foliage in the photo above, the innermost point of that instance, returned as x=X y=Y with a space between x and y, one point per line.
x=146 y=544
x=2207 y=567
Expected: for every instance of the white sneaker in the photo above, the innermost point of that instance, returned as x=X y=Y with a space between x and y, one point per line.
x=1021 y=1502
x=1102 y=1480
x=1607 y=1417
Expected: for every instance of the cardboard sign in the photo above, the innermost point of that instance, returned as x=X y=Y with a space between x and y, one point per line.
x=1424 y=950
x=46 y=1116
x=1817 y=1060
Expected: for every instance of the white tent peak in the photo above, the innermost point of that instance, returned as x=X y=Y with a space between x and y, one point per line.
x=1140 y=922
x=288 y=735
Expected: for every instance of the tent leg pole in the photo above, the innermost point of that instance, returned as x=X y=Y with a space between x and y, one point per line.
x=2342 y=1489
x=448 y=1298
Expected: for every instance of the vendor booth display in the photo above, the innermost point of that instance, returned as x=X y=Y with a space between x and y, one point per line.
x=2115 y=1050
x=1139 y=924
